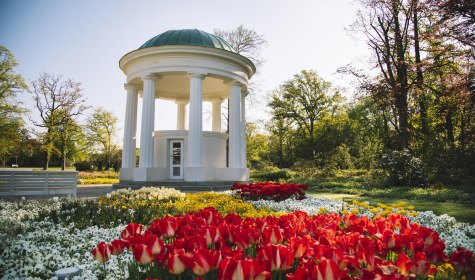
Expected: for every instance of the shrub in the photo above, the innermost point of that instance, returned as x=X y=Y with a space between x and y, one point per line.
x=84 y=166
x=272 y=176
x=404 y=169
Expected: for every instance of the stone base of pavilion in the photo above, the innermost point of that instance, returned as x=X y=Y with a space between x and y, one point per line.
x=196 y=186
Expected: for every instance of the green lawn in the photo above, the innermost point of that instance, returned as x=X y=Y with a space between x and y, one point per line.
x=456 y=200
x=462 y=212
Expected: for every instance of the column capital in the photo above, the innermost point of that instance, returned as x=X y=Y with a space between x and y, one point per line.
x=234 y=83
x=128 y=86
x=182 y=101
x=150 y=76
x=216 y=100
x=196 y=75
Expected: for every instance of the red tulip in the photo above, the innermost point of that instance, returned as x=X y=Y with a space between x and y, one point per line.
x=404 y=264
x=255 y=270
x=272 y=234
x=178 y=261
x=143 y=254
x=232 y=269
x=211 y=234
x=154 y=243
x=204 y=261
x=130 y=230
x=117 y=247
x=279 y=256
x=463 y=260
x=328 y=270
x=101 y=252
x=168 y=226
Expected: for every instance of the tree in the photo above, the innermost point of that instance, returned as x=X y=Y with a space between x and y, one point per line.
x=386 y=23
x=281 y=141
x=59 y=102
x=309 y=102
x=245 y=42
x=460 y=16
x=101 y=130
x=248 y=43
x=11 y=123
x=10 y=83
x=257 y=146
x=424 y=86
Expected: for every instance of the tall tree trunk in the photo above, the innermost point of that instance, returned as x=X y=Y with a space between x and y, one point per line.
x=386 y=138
x=462 y=130
x=419 y=76
x=49 y=148
x=281 y=151
x=449 y=127
x=402 y=83
x=63 y=155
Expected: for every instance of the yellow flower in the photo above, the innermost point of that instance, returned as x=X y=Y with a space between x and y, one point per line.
x=355 y=211
x=410 y=207
x=374 y=210
x=364 y=205
x=414 y=214
x=345 y=212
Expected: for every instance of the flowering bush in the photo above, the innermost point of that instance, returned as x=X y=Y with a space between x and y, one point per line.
x=296 y=246
x=269 y=191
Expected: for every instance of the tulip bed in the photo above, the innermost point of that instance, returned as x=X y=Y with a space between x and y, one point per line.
x=257 y=238
x=270 y=191
x=206 y=245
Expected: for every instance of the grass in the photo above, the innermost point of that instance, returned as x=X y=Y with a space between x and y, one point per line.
x=461 y=212
x=455 y=200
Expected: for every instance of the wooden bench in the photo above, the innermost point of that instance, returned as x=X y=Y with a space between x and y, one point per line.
x=26 y=182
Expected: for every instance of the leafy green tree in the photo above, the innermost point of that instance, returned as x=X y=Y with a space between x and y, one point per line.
x=257 y=146
x=281 y=141
x=59 y=102
x=11 y=124
x=101 y=130
x=367 y=128
x=308 y=102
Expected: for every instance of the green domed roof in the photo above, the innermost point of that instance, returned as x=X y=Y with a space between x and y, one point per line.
x=188 y=37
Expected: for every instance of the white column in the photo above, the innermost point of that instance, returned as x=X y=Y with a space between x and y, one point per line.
x=243 y=131
x=235 y=125
x=195 y=120
x=148 y=121
x=181 y=114
x=130 y=127
x=216 y=119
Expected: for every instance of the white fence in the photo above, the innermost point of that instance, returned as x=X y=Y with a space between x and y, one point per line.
x=24 y=182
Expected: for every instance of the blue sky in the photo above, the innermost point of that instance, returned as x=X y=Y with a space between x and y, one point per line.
x=84 y=40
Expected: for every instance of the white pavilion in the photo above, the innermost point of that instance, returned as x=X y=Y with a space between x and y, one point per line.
x=189 y=67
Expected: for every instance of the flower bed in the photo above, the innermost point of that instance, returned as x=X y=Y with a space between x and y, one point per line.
x=36 y=244
x=296 y=246
x=270 y=191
